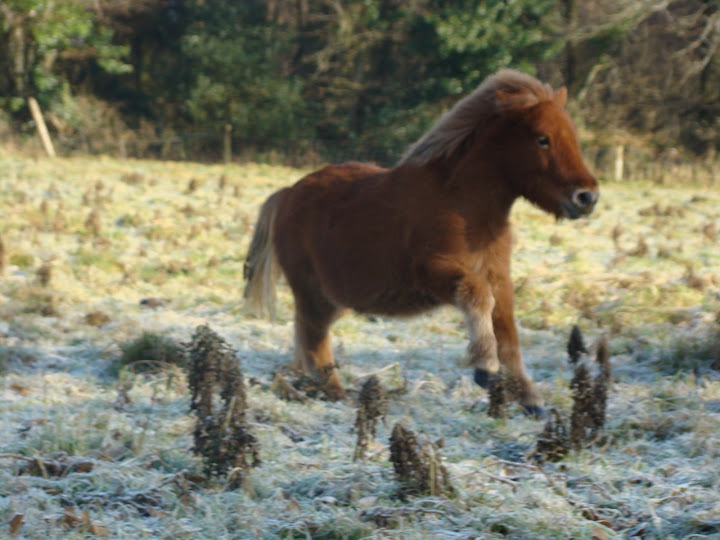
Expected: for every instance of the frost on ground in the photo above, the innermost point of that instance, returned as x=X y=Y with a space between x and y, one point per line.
x=96 y=253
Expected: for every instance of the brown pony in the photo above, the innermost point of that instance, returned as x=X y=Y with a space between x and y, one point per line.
x=432 y=230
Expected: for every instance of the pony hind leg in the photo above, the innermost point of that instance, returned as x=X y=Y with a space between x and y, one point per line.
x=313 y=355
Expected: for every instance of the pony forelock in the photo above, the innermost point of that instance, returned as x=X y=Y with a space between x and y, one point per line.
x=506 y=90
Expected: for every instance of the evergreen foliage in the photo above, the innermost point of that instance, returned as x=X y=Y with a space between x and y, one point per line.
x=351 y=79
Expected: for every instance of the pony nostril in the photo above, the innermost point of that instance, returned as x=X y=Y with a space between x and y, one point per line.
x=584 y=198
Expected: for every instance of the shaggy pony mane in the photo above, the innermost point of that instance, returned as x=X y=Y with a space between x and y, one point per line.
x=504 y=91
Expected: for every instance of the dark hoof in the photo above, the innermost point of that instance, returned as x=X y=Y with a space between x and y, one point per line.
x=483 y=378
x=334 y=393
x=534 y=411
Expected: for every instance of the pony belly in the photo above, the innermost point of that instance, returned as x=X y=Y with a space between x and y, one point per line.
x=398 y=303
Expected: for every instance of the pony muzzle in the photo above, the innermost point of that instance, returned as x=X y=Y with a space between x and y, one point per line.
x=581 y=203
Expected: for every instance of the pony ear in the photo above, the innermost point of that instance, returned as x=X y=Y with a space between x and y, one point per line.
x=561 y=96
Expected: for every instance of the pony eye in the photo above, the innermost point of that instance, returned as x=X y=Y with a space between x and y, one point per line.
x=543 y=141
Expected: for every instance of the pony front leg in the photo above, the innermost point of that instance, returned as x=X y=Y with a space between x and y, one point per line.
x=509 y=349
x=477 y=302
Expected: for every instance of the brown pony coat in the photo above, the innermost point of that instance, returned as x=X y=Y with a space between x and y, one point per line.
x=433 y=230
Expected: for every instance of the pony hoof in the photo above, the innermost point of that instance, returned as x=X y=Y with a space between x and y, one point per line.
x=534 y=411
x=334 y=393
x=483 y=378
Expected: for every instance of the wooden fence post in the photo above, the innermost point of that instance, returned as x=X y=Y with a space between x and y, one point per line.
x=227 y=144
x=41 y=127
x=619 y=162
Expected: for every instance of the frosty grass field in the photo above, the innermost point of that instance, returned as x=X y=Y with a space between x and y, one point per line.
x=85 y=240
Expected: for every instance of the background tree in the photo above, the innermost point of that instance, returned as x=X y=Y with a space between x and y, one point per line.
x=48 y=44
x=339 y=79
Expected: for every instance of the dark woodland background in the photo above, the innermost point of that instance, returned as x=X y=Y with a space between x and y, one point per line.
x=312 y=80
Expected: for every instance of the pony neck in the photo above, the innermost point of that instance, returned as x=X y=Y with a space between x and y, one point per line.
x=477 y=190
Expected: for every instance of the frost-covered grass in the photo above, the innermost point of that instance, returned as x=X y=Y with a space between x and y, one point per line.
x=181 y=244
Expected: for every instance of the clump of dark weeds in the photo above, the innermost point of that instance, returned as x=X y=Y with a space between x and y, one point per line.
x=175 y=267
x=617 y=232
x=693 y=280
x=92 y=223
x=602 y=358
x=49 y=309
x=222 y=436
x=710 y=231
x=503 y=388
x=192 y=186
x=587 y=419
x=553 y=443
x=44 y=274
x=583 y=406
x=97 y=318
x=59 y=222
x=373 y=406
x=496 y=408
x=576 y=345
x=418 y=468
x=589 y=399
x=640 y=250
x=132 y=179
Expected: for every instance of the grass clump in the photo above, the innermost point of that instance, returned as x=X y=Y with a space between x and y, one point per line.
x=21 y=260
x=693 y=354
x=150 y=352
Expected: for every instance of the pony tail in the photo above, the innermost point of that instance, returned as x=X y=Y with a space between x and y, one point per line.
x=261 y=269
